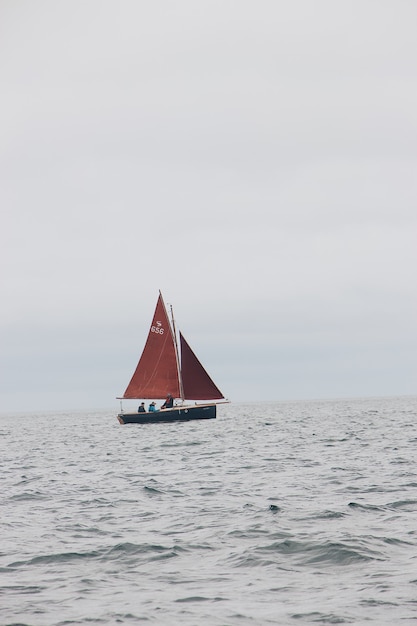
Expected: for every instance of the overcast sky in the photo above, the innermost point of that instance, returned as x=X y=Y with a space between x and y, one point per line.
x=256 y=161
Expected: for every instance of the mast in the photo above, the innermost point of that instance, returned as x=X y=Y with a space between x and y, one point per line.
x=177 y=354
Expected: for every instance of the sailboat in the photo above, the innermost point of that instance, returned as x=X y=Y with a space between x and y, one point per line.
x=165 y=370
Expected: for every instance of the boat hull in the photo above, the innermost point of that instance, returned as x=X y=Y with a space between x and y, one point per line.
x=177 y=414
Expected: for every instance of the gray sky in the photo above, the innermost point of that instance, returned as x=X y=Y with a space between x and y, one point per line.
x=256 y=161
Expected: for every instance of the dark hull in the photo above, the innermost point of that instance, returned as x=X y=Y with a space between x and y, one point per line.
x=178 y=414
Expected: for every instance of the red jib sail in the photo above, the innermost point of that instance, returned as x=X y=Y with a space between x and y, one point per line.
x=156 y=374
x=197 y=384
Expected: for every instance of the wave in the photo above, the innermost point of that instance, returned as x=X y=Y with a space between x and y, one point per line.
x=306 y=553
x=367 y=507
x=404 y=505
x=29 y=495
x=119 y=551
x=321 y=618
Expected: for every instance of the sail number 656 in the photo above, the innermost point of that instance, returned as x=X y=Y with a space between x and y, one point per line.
x=156 y=329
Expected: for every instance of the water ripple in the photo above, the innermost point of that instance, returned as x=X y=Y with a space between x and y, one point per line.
x=275 y=513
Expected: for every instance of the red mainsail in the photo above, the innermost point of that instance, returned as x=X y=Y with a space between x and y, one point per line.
x=156 y=374
x=197 y=384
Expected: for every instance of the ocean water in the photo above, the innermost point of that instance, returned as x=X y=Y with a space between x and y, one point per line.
x=279 y=513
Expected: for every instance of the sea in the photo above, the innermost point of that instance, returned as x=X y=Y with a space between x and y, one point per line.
x=285 y=513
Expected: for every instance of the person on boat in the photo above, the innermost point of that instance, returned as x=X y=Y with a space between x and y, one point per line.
x=152 y=407
x=141 y=408
x=169 y=402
